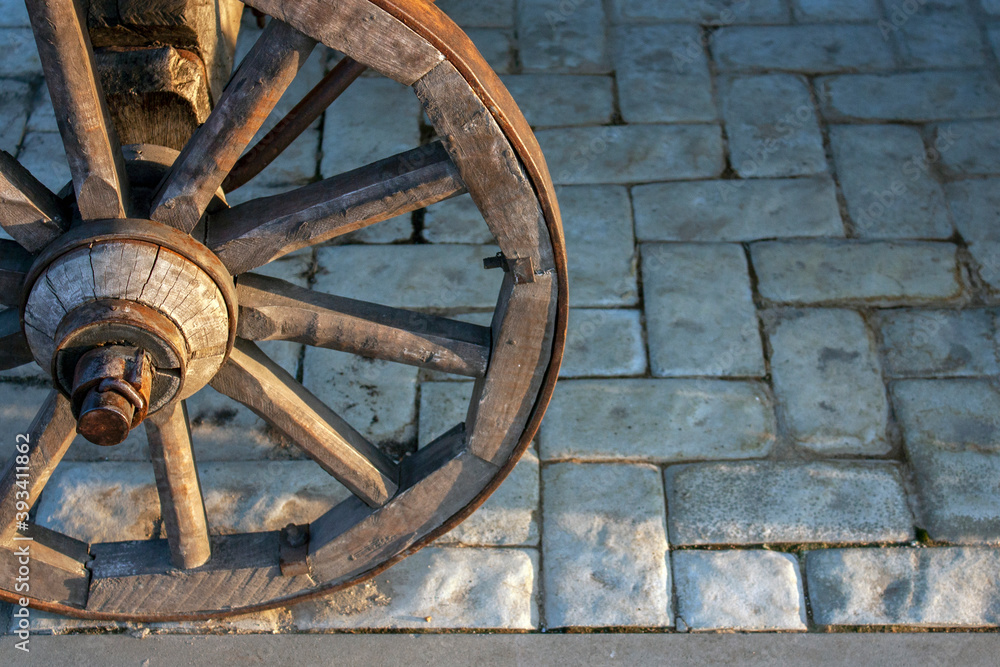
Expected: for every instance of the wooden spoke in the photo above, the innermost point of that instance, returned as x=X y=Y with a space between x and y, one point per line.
x=32 y=215
x=14 y=264
x=272 y=309
x=252 y=234
x=177 y=484
x=14 y=349
x=57 y=566
x=212 y=152
x=48 y=438
x=90 y=139
x=251 y=378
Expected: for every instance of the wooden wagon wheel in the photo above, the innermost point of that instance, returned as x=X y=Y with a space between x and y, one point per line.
x=136 y=296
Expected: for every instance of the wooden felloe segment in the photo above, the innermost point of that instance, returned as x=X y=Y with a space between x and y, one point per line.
x=252 y=234
x=437 y=482
x=32 y=215
x=49 y=436
x=251 y=378
x=14 y=264
x=56 y=567
x=489 y=167
x=137 y=578
x=272 y=309
x=181 y=503
x=522 y=333
x=249 y=97
x=95 y=156
x=358 y=29
x=14 y=350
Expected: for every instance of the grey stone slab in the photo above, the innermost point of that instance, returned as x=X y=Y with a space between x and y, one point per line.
x=700 y=314
x=13 y=14
x=739 y=590
x=47 y=624
x=479 y=13
x=737 y=210
x=975 y=208
x=951 y=587
x=969 y=148
x=662 y=74
x=658 y=421
x=713 y=12
x=553 y=100
x=952 y=439
x=938 y=342
x=42 y=154
x=496 y=47
x=779 y=503
x=824 y=272
x=559 y=36
x=374 y=119
x=456 y=220
x=802 y=48
x=443 y=405
x=605 y=547
x=378 y=398
x=600 y=245
x=15 y=98
x=772 y=126
x=20 y=54
x=604 y=343
x=111 y=501
x=940 y=39
x=436 y=588
x=908 y=96
x=885 y=176
x=845 y=10
x=418 y=276
x=828 y=383
x=632 y=153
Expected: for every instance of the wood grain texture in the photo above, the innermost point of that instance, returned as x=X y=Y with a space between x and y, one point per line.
x=89 y=137
x=254 y=380
x=57 y=567
x=14 y=350
x=489 y=167
x=502 y=402
x=181 y=504
x=360 y=30
x=249 y=97
x=49 y=436
x=272 y=309
x=252 y=234
x=14 y=264
x=32 y=214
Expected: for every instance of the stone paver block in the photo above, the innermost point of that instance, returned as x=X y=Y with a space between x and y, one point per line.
x=953 y=587
x=456 y=220
x=969 y=148
x=419 y=276
x=938 y=342
x=20 y=53
x=559 y=36
x=821 y=272
x=952 y=438
x=737 y=210
x=844 y=10
x=605 y=547
x=13 y=14
x=975 y=208
x=436 y=588
x=764 y=502
x=716 y=12
x=479 y=13
x=772 y=126
x=940 y=39
x=496 y=47
x=378 y=398
x=553 y=100
x=802 y=48
x=908 y=96
x=632 y=153
x=828 y=383
x=15 y=98
x=884 y=174
x=600 y=245
x=662 y=74
x=658 y=421
x=443 y=405
x=42 y=154
x=699 y=311
x=739 y=590
x=604 y=342
x=112 y=501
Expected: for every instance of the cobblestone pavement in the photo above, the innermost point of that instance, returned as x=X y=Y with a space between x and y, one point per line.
x=780 y=396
